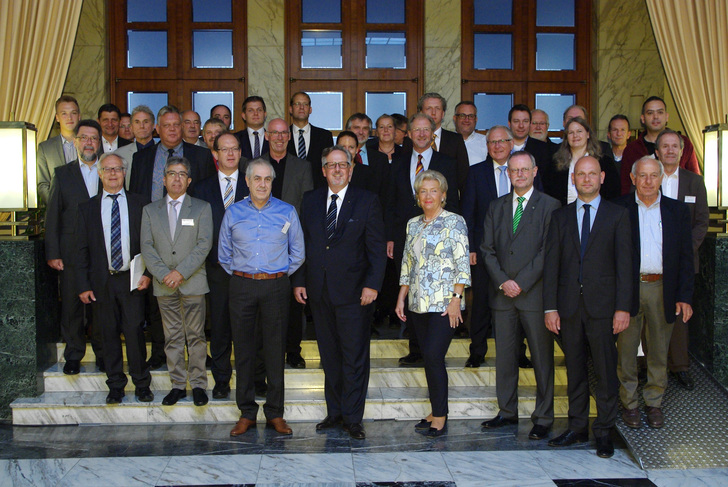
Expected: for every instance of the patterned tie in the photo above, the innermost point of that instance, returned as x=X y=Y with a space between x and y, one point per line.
x=256 y=149
x=301 y=145
x=331 y=218
x=433 y=144
x=585 y=230
x=357 y=158
x=228 y=198
x=172 y=214
x=519 y=213
x=419 y=167
x=170 y=153
x=117 y=259
x=503 y=181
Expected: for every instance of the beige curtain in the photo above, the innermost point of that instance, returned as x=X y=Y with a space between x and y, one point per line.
x=692 y=37
x=37 y=39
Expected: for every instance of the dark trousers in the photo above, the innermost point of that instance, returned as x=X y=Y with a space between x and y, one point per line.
x=480 y=316
x=220 y=333
x=342 y=333
x=118 y=311
x=153 y=318
x=74 y=316
x=295 y=326
x=579 y=335
x=434 y=334
x=268 y=301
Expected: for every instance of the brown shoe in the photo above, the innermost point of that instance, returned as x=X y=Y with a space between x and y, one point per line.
x=280 y=425
x=631 y=417
x=655 y=418
x=242 y=426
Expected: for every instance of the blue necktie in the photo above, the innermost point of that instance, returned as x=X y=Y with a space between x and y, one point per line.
x=503 y=181
x=585 y=230
x=331 y=218
x=256 y=148
x=117 y=259
x=301 y=145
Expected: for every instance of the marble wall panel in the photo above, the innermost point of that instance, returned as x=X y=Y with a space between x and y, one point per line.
x=266 y=72
x=442 y=52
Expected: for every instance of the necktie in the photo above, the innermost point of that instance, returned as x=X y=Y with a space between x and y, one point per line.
x=173 y=217
x=170 y=153
x=519 y=213
x=502 y=181
x=585 y=230
x=228 y=197
x=117 y=259
x=433 y=144
x=357 y=158
x=158 y=176
x=301 y=145
x=256 y=149
x=419 y=167
x=331 y=218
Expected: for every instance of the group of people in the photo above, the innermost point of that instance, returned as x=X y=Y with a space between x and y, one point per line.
x=259 y=223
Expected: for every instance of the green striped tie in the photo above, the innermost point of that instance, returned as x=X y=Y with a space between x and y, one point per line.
x=519 y=213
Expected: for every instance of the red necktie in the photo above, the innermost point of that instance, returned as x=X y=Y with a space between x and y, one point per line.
x=420 y=167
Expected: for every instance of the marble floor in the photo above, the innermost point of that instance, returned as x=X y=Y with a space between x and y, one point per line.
x=392 y=455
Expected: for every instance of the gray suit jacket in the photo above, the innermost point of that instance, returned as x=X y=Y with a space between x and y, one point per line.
x=691 y=191
x=127 y=153
x=50 y=156
x=520 y=255
x=185 y=252
x=296 y=180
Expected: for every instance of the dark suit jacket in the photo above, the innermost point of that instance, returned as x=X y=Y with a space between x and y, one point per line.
x=142 y=169
x=91 y=259
x=209 y=190
x=354 y=258
x=121 y=142
x=296 y=180
x=691 y=191
x=520 y=255
x=320 y=140
x=555 y=182
x=607 y=269
x=678 y=274
x=399 y=150
x=540 y=151
x=376 y=175
x=244 y=141
x=453 y=146
x=68 y=190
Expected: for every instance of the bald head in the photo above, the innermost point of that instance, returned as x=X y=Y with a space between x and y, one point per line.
x=588 y=178
x=278 y=136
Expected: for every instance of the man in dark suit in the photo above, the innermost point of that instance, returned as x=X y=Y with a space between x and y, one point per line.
x=519 y=121
x=617 y=136
x=109 y=117
x=688 y=187
x=402 y=204
x=107 y=235
x=513 y=250
x=59 y=150
x=662 y=288
x=344 y=235
x=587 y=287
x=253 y=143
x=307 y=141
x=540 y=129
x=361 y=125
x=72 y=185
x=222 y=112
x=451 y=144
x=221 y=190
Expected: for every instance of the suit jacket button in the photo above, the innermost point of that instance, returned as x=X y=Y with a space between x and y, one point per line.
x=174 y=252
x=327 y=247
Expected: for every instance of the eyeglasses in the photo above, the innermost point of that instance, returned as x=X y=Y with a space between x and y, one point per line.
x=87 y=138
x=520 y=170
x=113 y=170
x=499 y=141
x=277 y=134
x=301 y=104
x=539 y=123
x=466 y=116
x=225 y=150
x=422 y=130
x=175 y=174
x=334 y=165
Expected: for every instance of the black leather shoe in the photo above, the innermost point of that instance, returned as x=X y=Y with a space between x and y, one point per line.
x=100 y=365
x=328 y=423
x=295 y=360
x=423 y=425
x=568 y=438
x=72 y=367
x=605 y=448
x=221 y=391
x=498 y=421
x=538 y=432
x=199 y=396
x=115 y=396
x=434 y=432
x=524 y=362
x=174 y=396
x=356 y=431
x=683 y=378
x=144 y=394
x=261 y=388
x=474 y=362
x=156 y=362
x=412 y=360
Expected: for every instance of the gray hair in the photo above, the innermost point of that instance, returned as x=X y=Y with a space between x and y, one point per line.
x=109 y=154
x=646 y=159
x=179 y=160
x=142 y=109
x=334 y=148
x=540 y=111
x=669 y=132
x=168 y=109
x=519 y=153
x=502 y=127
x=259 y=162
x=431 y=175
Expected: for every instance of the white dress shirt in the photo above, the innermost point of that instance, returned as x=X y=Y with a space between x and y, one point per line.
x=438 y=137
x=339 y=201
x=477 y=146
x=306 y=137
x=527 y=197
x=90 y=177
x=670 y=184
x=110 y=146
x=223 y=182
x=106 y=204
x=426 y=158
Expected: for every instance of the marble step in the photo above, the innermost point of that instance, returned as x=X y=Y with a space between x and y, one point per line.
x=384 y=372
x=300 y=405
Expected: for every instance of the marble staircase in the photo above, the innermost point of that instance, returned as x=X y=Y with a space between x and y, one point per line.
x=394 y=392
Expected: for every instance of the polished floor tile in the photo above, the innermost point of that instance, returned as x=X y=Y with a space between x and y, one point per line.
x=400 y=467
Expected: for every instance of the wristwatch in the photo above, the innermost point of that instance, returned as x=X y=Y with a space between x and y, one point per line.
x=456 y=295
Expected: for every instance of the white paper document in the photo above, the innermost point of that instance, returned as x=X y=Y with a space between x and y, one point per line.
x=137 y=269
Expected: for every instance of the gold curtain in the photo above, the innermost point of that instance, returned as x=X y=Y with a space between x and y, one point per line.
x=37 y=38
x=692 y=37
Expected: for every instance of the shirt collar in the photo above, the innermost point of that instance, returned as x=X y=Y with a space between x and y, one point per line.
x=120 y=193
x=340 y=194
x=176 y=148
x=181 y=199
x=528 y=195
x=306 y=129
x=233 y=176
x=594 y=204
x=643 y=205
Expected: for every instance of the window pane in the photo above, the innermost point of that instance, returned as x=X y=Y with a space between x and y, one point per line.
x=378 y=104
x=328 y=109
x=146 y=10
x=493 y=51
x=203 y=101
x=555 y=13
x=321 y=49
x=154 y=101
x=147 y=49
x=212 y=49
x=386 y=50
x=321 y=11
x=385 y=11
x=493 y=12
x=555 y=52
x=212 y=11
x=555 y=104
x=492 y=109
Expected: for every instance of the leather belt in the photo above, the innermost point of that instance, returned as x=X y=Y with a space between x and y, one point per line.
x=650 y=277
x=114 y=273
x=260 y=276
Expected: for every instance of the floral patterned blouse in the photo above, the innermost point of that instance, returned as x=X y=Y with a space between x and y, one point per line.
x=436 y=257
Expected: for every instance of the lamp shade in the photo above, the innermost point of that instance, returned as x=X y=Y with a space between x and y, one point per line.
x=18 y=180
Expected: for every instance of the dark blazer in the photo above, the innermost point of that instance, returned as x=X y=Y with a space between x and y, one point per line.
x=691 y=191
x=452 y=145
x=555 y=182
x=540 y=151
x=678 y=273
x=142 y=169
x=607 y=269
x=354 y=258
x=320 y=140
x=244 y=141
x=121 y=142
x=296 y=180
x=378 y=175
x=373 y=145
x=209 y=190
x=68 y=190
x=91 y=259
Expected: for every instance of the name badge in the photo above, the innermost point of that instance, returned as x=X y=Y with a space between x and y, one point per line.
x=690 y=199
x=286 y=227
x=188 y=222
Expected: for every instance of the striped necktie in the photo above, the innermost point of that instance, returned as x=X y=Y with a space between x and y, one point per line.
x=117 y=258
x=331 y=218
x=301 y=145
x=228 y=198
x=433 y=144
x=420 y=167
x=256 y=149
x=519 y=213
